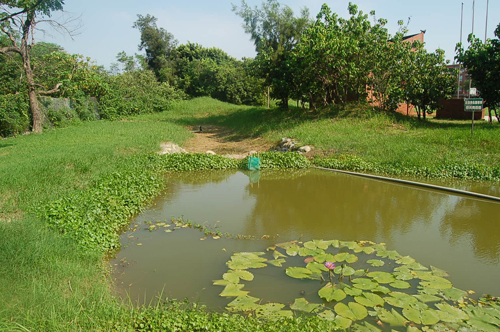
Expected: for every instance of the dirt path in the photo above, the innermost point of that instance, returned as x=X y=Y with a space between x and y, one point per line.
x=221 y=141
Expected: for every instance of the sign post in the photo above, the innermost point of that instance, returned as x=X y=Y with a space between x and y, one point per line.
x=473 y=105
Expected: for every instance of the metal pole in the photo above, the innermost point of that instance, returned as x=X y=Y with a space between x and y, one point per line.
x=486 y=27
x=459 y=64
x=473 y=8
x=472 y=128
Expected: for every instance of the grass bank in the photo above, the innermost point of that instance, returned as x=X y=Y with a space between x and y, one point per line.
x=359 y=138
x=81 y=177
x=64 y=197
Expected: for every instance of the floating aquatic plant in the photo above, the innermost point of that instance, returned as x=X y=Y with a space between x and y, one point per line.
x=366 y=288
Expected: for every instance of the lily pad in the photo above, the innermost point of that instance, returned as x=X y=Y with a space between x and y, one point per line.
x=365 y=328
x=234 y=276
x=382 y=277
x=233 y=290
x=381 y=289
x=439 y=272
x=437 y=283
x=370 y=300
x=351 y=291
x=366 y=250
x=391 y=317
x=365 y=284
x=316 y=267
x=324 y=258
x=331 y=293
x=400 y=300
x=344 y=256
x=376 y=262
x=304 y=252
x=327 y=315
x=404 y=275
x=272 y=311
x=243 y=303
x=400 y=284
x=299 y=272
x=342 y=322
x=344 y=270
x=353 y=311
x=405 y=260
x=277 y=262
x=450 y=314
x=389 y=254
x=425 y=317
x=302 y=304
x=454 y=294
x=349 y=244
x=277 y=254
x=293 y=250
x=426 y=298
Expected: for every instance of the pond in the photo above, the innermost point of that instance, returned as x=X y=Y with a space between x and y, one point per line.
x=457 y=234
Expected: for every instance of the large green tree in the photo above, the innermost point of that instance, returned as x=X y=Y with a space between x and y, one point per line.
x=159 y=45
x=429 y=80
x=21 y=17
x=482 y=61
x=275 y=32
x=336 y=57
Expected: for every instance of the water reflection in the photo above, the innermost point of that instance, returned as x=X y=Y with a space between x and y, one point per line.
x=446 y=231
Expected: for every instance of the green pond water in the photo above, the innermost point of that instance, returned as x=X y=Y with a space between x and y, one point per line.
x=457 y=234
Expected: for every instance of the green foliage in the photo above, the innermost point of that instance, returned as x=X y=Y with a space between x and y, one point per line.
x=335 y=56
x=429 y=80
x=423 y=302
x=136 y=92
x=459 y=170
x=14 y=114
x=93 y=218
x=157 y=42
x=212 y=72
x=279 y=160
x=186 y=162
x=481 y=61
x=177 y=316
x=275 y=32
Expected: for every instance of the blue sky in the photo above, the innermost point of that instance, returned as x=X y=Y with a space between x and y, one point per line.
x=107 y=24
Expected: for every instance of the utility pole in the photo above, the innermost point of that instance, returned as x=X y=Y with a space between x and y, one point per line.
x=459 y=64
x=486 y=27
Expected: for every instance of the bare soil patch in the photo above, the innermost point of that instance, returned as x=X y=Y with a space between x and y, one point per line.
x=222 y=141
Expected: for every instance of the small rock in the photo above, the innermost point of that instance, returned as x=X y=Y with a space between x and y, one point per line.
x=210 y=152
x=305 y=149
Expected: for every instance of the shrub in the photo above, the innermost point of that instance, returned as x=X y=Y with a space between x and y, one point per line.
x=136 y=92
x=279 y=160
x=14 y=114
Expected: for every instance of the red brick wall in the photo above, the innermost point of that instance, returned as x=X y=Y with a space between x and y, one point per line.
x=454 y=109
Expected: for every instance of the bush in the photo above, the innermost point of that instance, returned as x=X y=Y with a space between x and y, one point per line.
x=280 y=160
x=14 y=114
x=136 y=92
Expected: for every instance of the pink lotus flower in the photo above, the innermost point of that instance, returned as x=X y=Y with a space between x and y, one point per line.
x=330 y=265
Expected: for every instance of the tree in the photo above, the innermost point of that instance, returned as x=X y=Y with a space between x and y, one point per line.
x=428 y=80
x=336 y=57
x=23 y=15
x=482 y=61
x=275 y=32
x=158 y=44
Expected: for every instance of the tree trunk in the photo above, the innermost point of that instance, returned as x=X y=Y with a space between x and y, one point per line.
x=37 y=116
